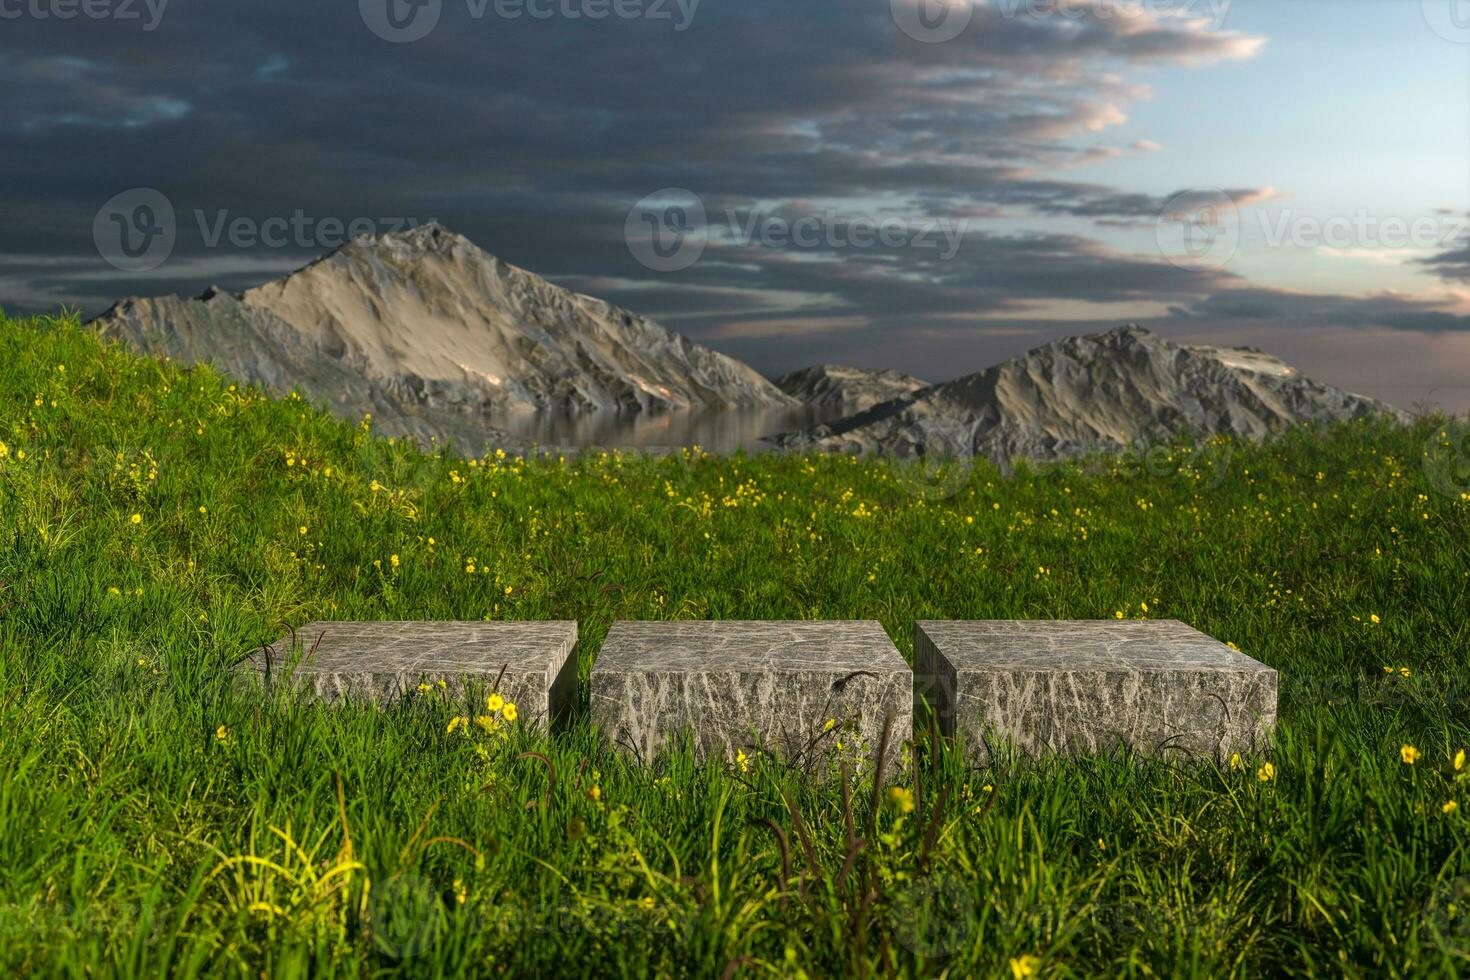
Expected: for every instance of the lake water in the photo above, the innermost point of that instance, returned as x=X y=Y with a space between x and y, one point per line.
x=723 y=431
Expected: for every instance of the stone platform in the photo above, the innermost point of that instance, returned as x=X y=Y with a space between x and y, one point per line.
x=1078 y=686
x=385 y=661
x=795 y=689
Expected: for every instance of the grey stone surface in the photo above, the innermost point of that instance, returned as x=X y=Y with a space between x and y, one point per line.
x=1075 y=686
x=383 y=661
x=742 y=685
x=853 y=389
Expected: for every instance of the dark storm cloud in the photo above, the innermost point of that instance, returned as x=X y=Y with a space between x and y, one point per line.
x=1144 y=209
x=1452 y=264
x=1389 y=310
x=534 y=137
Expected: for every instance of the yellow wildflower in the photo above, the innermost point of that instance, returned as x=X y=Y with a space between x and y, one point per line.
x=1266 y=773
x=1450 y=807
x=1459 y=760
x=222 y=733
x=1025 y=966
x=136 y=518
x=510 y=711
x=455 y=724
x=901 y=798
x=742 y=760
x=494 y=702
x=1409 y=754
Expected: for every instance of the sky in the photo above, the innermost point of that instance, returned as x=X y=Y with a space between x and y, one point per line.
x=928 y=185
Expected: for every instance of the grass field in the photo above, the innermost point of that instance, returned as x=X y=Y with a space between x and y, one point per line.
x=156 y=523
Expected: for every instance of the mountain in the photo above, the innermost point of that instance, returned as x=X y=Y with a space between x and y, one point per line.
x=856 y=389
x=1101 y=392
x=425 y=329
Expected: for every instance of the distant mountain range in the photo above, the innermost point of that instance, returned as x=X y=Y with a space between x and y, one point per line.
x=436 y=337
x=426 y=330
x=1095 y=393
x=839 y=387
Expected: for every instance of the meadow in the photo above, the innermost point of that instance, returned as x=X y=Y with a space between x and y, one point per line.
x=157 y=523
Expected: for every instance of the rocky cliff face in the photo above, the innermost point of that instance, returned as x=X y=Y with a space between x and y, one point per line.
x=425 y=325
x=1102 y=392
x=855 y=389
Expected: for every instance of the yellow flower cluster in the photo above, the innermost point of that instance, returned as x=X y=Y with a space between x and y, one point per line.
x=499 y=714
x=1025 y=966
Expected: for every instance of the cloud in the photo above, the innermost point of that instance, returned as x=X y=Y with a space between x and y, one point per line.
x=1388 y=309
x=1452 y=264
x=1146 y=209
x=64 y=91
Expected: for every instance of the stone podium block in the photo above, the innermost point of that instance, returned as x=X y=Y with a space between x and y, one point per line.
x=798 y=690
x=382 y=662
x=1082 y=686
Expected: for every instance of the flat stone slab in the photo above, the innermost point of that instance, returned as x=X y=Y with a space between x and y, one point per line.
x=794 y=689
x=1077 y=686
x=385 y=661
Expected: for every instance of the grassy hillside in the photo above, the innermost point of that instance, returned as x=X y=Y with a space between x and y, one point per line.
x=156 y=523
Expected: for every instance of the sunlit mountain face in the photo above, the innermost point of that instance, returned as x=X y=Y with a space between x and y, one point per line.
x=930 y=186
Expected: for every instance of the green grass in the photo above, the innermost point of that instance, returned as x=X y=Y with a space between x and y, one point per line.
x=151 y=533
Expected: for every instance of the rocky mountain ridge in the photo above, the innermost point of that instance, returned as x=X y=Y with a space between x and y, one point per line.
x=839 y=386
x=1094 y=393
x=424 y=325
x=438 y=339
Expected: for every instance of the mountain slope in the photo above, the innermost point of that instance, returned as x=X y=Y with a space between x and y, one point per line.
x=837 y=386
x=425 y=324
x=1101 y=392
